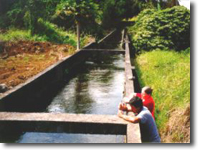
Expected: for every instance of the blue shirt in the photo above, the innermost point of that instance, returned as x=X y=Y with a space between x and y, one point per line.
x=149 y=131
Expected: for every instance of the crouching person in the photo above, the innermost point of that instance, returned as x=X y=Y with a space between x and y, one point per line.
x=143 y=116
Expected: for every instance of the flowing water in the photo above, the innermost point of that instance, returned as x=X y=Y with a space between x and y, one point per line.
x=96 y=88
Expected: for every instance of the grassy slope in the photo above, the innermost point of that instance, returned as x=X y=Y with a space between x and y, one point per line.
x=13 y=35
x=168 y=72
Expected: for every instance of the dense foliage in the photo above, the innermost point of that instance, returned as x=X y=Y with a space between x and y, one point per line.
x=50 y=32
x=115 y=11
x=165 y=29
x=25 y=13
x=71 y=12
x=93 y=15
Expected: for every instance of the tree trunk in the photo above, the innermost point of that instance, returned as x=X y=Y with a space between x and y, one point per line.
x=158 y=5
x=78 y=35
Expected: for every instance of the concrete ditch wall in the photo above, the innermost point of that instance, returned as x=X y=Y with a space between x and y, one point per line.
x=24 y=96
x=18 y=123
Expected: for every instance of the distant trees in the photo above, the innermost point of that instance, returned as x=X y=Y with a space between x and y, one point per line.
x=78 y=12
x=93 y=16
x=25 y=13
x=66 y=13
x=114 y=11
x=162 y=4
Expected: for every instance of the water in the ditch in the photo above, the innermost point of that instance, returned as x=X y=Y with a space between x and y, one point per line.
x=32 y=137
x=97 y=88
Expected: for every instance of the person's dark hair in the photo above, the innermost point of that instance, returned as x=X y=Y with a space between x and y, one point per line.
x=148 y=90
x=136 y=102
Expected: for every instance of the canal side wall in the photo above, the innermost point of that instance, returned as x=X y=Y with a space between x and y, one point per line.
x=33 y=94
x=129 y=87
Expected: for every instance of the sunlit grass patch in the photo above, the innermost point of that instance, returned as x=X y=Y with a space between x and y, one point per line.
x=15 y=34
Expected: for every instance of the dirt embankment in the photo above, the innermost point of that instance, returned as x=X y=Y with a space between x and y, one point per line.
x=24 y=59
x=178 y=127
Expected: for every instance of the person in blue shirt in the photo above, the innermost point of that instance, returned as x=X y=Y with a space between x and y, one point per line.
x=148 y=128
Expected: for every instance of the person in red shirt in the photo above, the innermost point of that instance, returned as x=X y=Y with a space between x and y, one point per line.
x=146 y=98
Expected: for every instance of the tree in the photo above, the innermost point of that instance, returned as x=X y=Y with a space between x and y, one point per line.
x=35 y=9
x=25 y=13
x=162 y=4
x=79 y=11
x=115 y=11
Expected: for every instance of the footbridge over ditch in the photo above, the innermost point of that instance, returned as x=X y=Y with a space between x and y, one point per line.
x=19 y=110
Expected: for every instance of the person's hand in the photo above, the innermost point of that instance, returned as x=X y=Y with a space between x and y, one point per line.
x=122 y=106
x=120 y=114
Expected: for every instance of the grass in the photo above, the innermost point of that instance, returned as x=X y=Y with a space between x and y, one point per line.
x=14 y=34
x=168 y=73
x=69 y=37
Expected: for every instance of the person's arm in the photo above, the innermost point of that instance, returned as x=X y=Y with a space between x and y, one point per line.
x=126 y=99
x=128 y=118
x=124 y=107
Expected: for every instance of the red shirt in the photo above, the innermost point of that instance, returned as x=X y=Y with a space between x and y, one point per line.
x=148 y=102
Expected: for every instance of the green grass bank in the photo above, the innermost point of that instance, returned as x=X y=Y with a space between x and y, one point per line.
x=168 y=73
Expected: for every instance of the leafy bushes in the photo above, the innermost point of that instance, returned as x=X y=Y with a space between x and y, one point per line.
x=165 y=29
x=50 y=32
x=54 y=34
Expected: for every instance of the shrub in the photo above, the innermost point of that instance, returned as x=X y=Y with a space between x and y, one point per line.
x=54 y=34
x=165 y=29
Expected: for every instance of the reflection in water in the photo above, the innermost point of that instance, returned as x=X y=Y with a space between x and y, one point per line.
x=96 y=89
